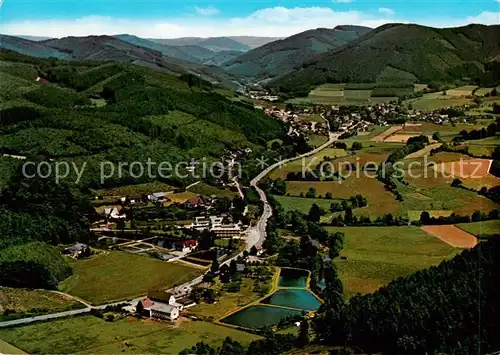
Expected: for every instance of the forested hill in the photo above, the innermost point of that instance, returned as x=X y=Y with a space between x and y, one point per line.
x=126 y=49
x=404 y=53
x=279 y=57
x=452 y=308
x=93 y=111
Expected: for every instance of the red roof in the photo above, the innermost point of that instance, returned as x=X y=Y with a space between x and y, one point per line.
x=187 y=243
x=194 y=201
x=146 y=303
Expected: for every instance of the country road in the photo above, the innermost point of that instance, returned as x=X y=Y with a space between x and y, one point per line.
x=255 y=237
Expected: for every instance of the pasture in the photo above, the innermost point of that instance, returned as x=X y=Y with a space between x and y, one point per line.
x=134 y=190
x=351 y=94
x=378 y=255
x=24 y=301
x=116 y=276
x=92 y=335
x=481 y=228
x=438 y=100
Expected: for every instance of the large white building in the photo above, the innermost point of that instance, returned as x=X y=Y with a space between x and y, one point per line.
x=216 y=225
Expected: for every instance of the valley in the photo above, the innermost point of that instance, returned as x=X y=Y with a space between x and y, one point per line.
x=241 y=194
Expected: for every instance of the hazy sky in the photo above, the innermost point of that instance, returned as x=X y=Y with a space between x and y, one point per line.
x=205 y=18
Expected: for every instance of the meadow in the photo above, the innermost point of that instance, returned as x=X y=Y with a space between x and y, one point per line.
x=481 y=228
x=303 y=205
x=378 y=255
x=88 y=334
x=438 y=100
x=25 y=302
x=116 y=276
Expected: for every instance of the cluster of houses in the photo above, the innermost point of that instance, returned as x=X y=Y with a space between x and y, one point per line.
x=217 y=225
x=297 y=126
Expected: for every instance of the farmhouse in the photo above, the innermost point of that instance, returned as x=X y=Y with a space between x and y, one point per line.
x=159 y=310
x=161 y=305
x=158 y=197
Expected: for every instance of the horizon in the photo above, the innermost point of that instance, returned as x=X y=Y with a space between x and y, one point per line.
x=42 y=37
x=219 y=18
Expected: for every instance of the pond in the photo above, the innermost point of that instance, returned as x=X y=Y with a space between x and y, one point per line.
x=293 y=278
x=260 y=316
x=293 y=298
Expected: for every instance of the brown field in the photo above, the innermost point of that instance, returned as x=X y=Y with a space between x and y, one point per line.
x=469 y=169
x=400 y=138
x=452 y=235
x=388 y=132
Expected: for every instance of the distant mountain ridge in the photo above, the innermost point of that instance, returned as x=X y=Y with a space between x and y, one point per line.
x=216 y=44
x=279 y=57
x=400 y=52
x=109 y=48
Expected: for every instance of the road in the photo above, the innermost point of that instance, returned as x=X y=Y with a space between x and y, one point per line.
x=267 y=213
x=255 y=237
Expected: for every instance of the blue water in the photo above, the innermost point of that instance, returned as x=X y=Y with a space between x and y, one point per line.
x=301 y=299
x=293 y=278
x=260 y=316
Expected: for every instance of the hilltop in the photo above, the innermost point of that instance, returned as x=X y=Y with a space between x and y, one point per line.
x=398 y=52
x=122 y=48
x=279 y=57
x=92 y=111
x=215 y=44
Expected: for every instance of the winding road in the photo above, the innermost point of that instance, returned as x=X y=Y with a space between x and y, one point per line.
x=256 y=236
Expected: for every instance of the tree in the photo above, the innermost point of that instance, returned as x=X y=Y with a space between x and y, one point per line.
x=311 y=193
x=314 y=213
x=139 y=308
x=303 y=336
x=253 y=250
x=231 y=347
x=436 y=136
x=348 y=217
x=425 y=217
x=328 y=196
x=476 y=216
x=357 y=146
x=215 y=263
x=456 y=183
x=335 y=207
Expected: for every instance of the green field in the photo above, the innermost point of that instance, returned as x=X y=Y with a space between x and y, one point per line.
x=303 y=205
x=481 y=228
x=436 y=101
x=119 y=275
x=88 y=334
x=135 y=190
x=377 y=255
x=28 y=302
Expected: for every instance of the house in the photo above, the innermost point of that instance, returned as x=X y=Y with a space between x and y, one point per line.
x=159 y=310
x=193 y=203
x=77 y=250
x=158 y=197
x=186 y=245
x=113 y=213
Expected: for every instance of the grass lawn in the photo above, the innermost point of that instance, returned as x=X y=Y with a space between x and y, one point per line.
x=88 y=334
x=378 y=255
x=228 y=301
x=481 y=228
x=25 y=301
x=119 y=275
